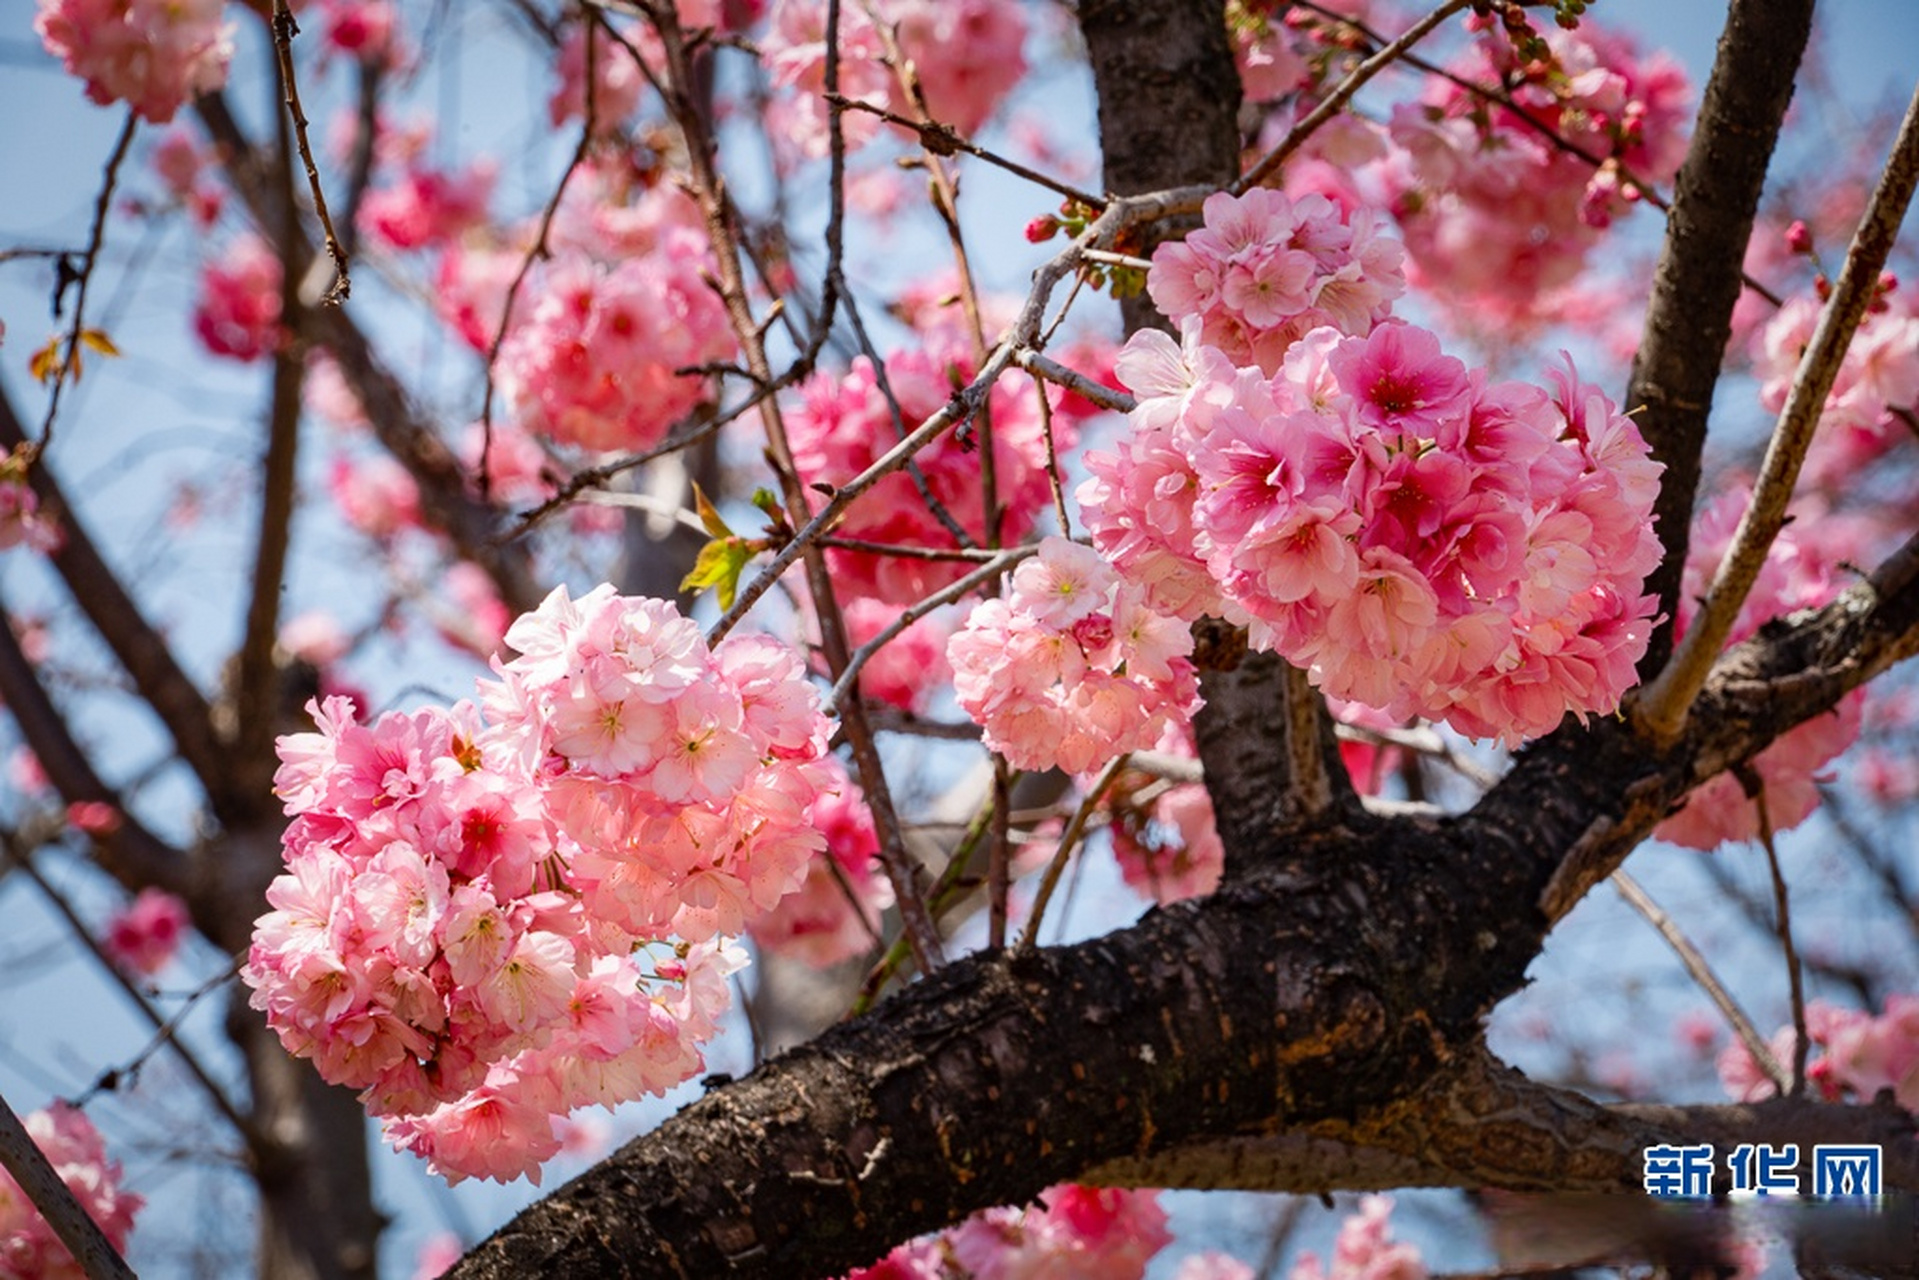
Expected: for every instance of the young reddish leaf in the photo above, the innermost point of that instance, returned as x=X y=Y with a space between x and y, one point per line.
x=46 y=361
x=99 y=341
x=709 y=516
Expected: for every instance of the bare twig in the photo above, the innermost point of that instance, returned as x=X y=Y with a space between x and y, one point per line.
x=986 y=573
x=102 y=206
x=538 y=251
x=1098 y=392
x=1070 y=838
x=943 y=139
x=284 y=29
x=9 y=843
x=1782 y=918
x=1661 y=710
x=1702 y=973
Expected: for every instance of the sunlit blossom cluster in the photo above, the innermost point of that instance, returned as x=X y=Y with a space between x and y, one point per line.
x=1073 y=1233
x=841 y=424
x=1264 y=269
x=1069 y=667
x=1852 y=1055
x=487 y=923
x=622 y=307
x=1494 y=208
x=1807 y=566
x=154 y=55
x=29 y=1250
x=426 y=207
x=1418 y=537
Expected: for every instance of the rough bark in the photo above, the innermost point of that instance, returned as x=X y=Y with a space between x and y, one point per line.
x=1689 y=317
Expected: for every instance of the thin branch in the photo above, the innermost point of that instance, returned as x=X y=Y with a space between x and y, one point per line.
x=903 y=551
x=986 y=573
x=943 y=140
x=1702 y=973
x=9 y=843
x=1343 y=93
x=138 y=646
x=1661 y=710
x=102 y=206
x=284 y=29
x=1067 y=841
x=82 y=1236
x=1098 y=392
x=1122 y=213
x=710 y=192
x=1782 y=917
x=538 y=251
x=255 y=688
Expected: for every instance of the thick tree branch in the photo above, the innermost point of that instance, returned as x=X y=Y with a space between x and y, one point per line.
x=1346 y=965
x=1689 y=317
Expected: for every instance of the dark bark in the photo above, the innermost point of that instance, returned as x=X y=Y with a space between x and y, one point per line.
x=1168 y=103
x=1698 y=280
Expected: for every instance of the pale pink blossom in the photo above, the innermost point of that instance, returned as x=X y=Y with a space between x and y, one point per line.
x=154 y=55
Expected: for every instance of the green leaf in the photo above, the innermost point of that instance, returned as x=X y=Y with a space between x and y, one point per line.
x=719 y=566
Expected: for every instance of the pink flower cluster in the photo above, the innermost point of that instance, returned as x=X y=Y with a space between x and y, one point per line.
x=1806 y=567
x=143 y=937
x=841 y=425
x=1417 y=537
x=427 y=208
x=153 y=55
x=487 y=924
x=835 y=913
x=1880 y=374
x=1076 y=1233
x=28 y=1248
x=237 y=314
x=593 y=364
x=1265 y=268
x=967 y=56
x=22 y=523
x=1858 y=1055
x=1070 y=666
x=1364 y=1250
x=1494 y=212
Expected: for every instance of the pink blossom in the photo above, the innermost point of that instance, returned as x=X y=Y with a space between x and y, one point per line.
x=967 y=55
x=1051 y=691
x=1363 y=1250
x=426 y=207
x=143 y=937
x=467 y=897
x=150 y=54
x=238 y=311
x=28 y=1246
